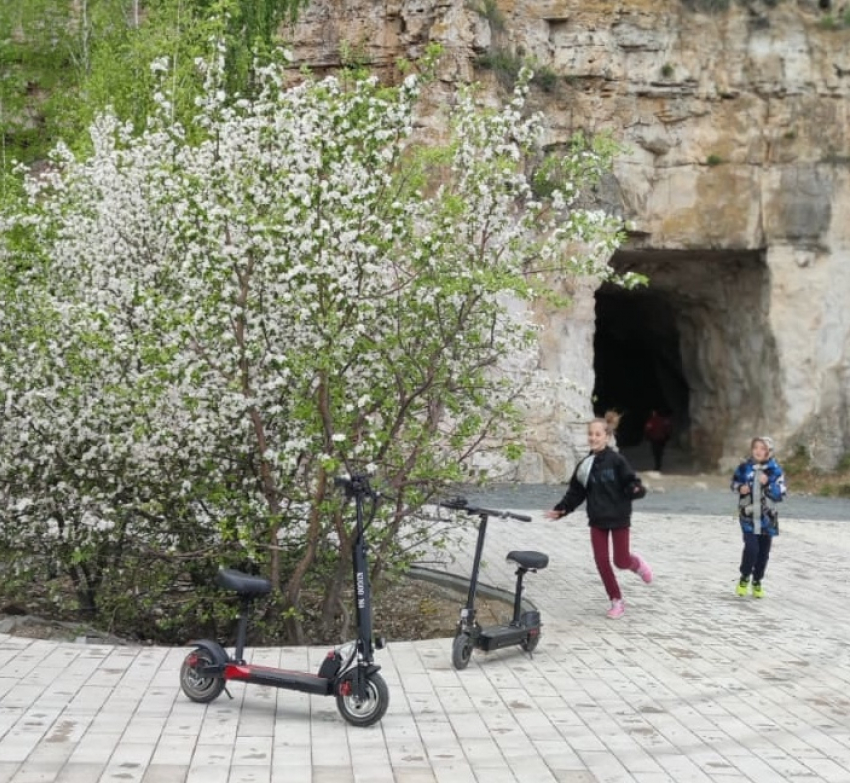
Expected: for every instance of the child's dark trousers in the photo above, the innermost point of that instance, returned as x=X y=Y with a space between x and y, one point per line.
x=755 y=555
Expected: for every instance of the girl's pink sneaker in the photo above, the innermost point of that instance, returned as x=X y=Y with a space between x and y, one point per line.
x=643 y=570
x=617 y=610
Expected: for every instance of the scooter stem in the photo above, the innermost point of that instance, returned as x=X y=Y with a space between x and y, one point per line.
x=362 y=590
x=242 y=630
x=476 y=567
x=520 y=573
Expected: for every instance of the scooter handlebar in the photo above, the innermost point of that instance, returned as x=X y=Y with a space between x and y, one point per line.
x=354 y=484
x=461 y=504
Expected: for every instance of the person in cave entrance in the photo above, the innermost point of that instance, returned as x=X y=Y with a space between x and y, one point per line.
x=658 y=429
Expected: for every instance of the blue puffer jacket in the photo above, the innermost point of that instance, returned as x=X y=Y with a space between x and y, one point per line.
x=773 y=492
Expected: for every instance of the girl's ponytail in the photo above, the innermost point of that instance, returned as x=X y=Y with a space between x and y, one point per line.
x=611 y=420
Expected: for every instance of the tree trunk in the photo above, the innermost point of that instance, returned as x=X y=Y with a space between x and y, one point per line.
x=292 y=590
x=333 y=602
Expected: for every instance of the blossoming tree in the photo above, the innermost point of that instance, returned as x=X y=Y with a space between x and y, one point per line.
x=202 y=329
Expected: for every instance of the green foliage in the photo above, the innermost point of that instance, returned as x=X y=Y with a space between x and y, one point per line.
x=804 y=476
x=62 y=63
x=667 y=70
x=503 y=63
x=545 y=78
x=555 y=171
x=713 y=160
x=828 y=22
x=828 y=490
x=833 y=23
x=37 y=52
x=799 y=461
x=707 y=6
x=508 y=66
x=489 y=10
x=353 y=56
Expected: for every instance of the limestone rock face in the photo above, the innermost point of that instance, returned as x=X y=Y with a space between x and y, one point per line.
x=735 y=177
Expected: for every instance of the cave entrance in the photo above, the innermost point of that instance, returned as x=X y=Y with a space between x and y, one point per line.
x=694 y=342
x=637 y=360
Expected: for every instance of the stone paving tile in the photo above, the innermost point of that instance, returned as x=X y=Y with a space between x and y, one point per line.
x=693 y=684
x=165 y=773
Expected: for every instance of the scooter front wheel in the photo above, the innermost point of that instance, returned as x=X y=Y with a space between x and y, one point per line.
x=461 y=650
x=366 y=710
x=202 y=688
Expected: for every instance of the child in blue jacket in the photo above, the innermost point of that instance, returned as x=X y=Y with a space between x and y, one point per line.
x=760 y=484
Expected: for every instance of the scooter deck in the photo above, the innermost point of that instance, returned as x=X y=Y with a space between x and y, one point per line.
x=279 y=678
x=496 y=637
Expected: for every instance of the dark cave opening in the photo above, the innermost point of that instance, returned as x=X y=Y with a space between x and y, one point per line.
x=694 y=341
x=637 y=360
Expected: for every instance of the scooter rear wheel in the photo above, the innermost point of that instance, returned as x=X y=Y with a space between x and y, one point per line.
x=365 y=711
x=202 y=688
x=529 y=644
x=461 y=650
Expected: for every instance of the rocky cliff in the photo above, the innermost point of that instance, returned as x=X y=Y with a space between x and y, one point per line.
x=735 y=177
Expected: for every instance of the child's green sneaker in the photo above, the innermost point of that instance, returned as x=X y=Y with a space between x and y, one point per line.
x=758 y=590
x=743 y=586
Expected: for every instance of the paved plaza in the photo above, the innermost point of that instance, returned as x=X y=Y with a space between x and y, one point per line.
x=692 y=685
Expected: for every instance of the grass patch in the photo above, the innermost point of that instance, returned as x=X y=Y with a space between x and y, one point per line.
x=507 y=67
x=802 y=477
x=707 y=6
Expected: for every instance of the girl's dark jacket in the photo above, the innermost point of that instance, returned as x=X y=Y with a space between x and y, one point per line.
x=609 y=488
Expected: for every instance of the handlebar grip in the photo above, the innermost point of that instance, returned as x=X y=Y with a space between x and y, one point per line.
x=521 y=517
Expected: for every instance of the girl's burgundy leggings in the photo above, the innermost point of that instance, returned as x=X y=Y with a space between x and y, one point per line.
x=623 y=558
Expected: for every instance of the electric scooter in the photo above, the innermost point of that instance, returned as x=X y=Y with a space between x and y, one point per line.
x=524 y=627
x=348 y=672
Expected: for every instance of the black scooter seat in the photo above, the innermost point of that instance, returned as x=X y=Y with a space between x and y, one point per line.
x=533 y=561
x=243 y=584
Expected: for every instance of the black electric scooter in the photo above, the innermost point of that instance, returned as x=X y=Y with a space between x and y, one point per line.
x=524 y=627
x=348 y=672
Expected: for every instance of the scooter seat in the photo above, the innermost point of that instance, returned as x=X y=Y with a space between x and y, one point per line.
x=243 y=584
x=533 y=561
